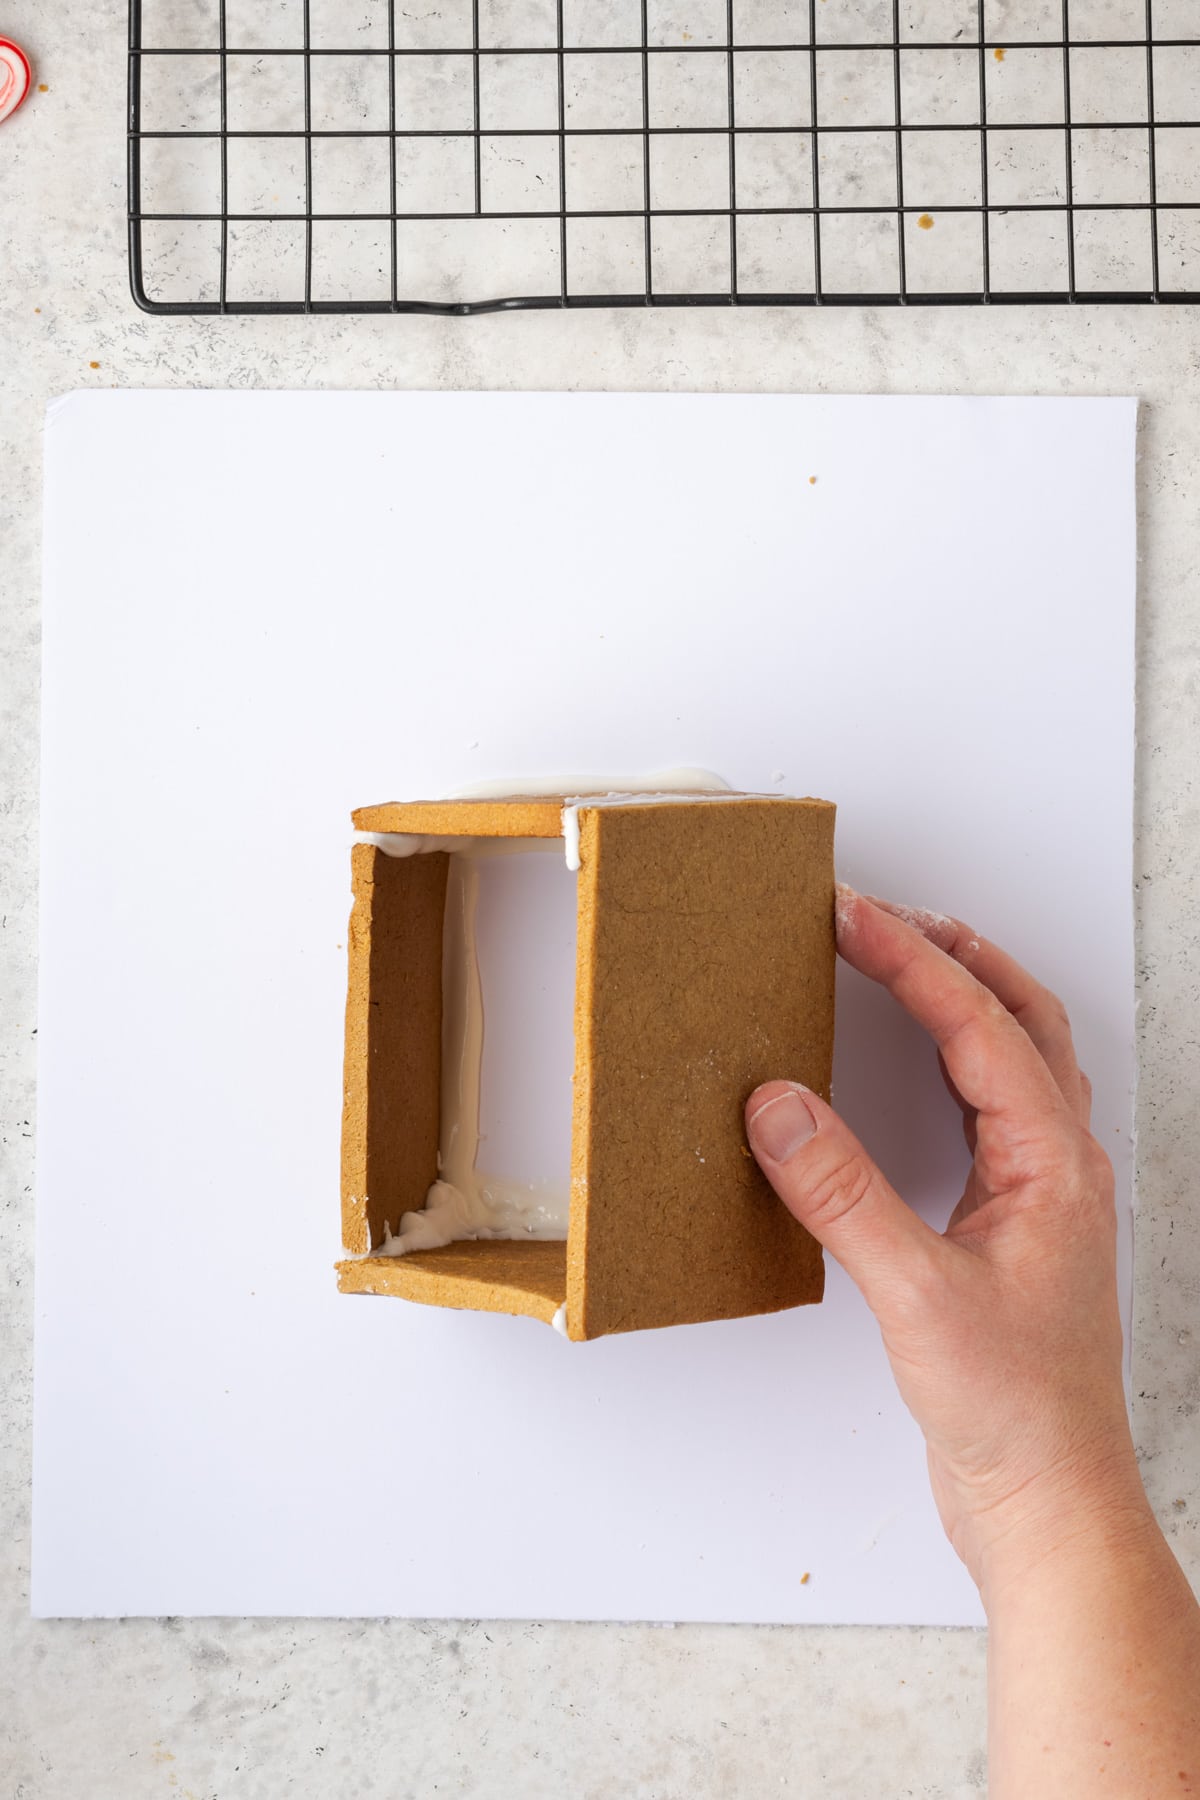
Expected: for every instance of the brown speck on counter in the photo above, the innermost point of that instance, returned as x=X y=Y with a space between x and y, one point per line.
x=999 y=53
x=812 y=481
x=42 y=88
x=93 y=365
x=805 y=1578
x=926 y=221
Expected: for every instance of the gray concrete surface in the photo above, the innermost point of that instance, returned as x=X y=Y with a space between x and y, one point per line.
x=239 y=1711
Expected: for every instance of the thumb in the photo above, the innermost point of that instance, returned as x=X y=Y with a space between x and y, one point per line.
x=826 y=1179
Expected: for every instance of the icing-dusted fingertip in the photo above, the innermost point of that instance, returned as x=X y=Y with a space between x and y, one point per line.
x=938 y=927
x=845 y=901
x=921 y=918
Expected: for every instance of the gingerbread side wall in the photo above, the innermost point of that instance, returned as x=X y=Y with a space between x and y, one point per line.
x=393 y=1055
x=706 y=966
x=513 y=816
x=487 y=1275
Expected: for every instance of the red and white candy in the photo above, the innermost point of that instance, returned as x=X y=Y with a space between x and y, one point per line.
x=15 y=77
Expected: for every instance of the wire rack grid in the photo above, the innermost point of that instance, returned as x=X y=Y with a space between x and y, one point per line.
x=458 y=156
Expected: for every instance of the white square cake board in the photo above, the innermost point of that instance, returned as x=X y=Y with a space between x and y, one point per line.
x=264 y=609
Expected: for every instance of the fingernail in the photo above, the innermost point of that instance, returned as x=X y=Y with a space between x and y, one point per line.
x=781 y=1126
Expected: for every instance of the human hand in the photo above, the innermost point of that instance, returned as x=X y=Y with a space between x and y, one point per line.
x=1003 y=1333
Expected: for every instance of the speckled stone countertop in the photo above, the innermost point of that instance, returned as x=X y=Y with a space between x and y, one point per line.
x=204 y=1709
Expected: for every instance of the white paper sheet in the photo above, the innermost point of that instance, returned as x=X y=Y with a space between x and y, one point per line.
x=264 y=609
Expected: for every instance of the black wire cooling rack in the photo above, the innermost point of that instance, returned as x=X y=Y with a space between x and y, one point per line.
x=457 y=156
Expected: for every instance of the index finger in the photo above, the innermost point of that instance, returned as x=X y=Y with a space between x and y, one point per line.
x=1039 y=1013
x=992 y=1061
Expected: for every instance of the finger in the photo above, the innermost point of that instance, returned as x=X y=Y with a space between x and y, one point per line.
x=826 y=1179
x=968 y=1112
x=970 y=1118
x=1039 y=1012
x=991 y=1060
